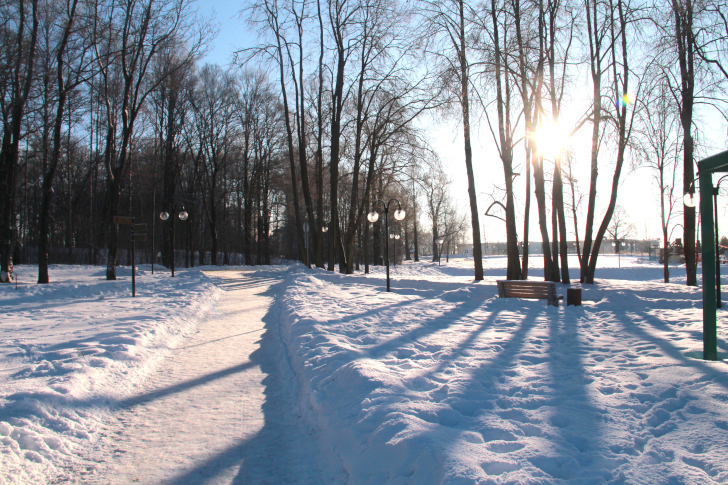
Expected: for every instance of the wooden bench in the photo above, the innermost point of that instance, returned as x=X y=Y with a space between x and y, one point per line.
x=542 y=290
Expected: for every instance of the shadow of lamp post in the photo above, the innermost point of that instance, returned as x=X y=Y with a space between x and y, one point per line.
x=373 y=216
x=182 y=214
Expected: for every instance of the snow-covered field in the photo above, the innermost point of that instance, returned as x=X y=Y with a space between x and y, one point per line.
x=437 y=381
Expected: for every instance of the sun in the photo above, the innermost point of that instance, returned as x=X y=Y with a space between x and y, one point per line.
x=551 y=139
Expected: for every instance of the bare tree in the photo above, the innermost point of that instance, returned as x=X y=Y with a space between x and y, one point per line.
x=661 y=148
x=171 y=107
x=449 y=28
x=620 y=229
x=128 y=37
x=621 y=27
x=214 y=106
x=500 y=37
x=16 y=74
x=557 y=54
x=597 y=16
x=435 y=185
x=71 y=64
x=683 y=40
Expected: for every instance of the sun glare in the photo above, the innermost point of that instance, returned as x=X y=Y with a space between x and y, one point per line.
x=551 y=139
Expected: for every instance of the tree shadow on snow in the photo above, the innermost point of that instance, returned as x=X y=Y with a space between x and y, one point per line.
x=494 y=401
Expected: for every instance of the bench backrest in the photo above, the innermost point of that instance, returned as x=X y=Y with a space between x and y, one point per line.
x=528 y=289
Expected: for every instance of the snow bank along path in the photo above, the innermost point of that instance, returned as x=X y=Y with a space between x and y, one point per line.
x=220 y=408
x=172 y=386
x=71 y=350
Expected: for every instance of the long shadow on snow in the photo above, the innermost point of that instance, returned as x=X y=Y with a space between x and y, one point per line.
x=269 y=454
x=17 y=406
x=630 y=322
x=478 y=405
x=481 y=403
x=577 y=419
x=631 y=318
x=274 y=455
x=427 y=327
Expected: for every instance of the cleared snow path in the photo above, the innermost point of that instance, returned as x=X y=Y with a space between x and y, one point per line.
x=222 y=407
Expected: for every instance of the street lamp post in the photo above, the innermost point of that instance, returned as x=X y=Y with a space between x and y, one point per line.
x=373 y=216
x=308 y=255
x=182 y=217
x=439 y=242
x=324 y=229
x=394 y=238
x=154 y=207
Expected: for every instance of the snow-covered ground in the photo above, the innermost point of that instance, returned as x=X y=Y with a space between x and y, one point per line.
x=437 y=381
x=71 y=349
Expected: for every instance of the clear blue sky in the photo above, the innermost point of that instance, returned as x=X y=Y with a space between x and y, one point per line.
x=233 y=33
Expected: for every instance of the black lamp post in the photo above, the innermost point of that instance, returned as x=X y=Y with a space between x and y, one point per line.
x=439 y=242
x=306 y=242
x=373 y=216
x=182 y=214
x=394 y=238
x=324 y=230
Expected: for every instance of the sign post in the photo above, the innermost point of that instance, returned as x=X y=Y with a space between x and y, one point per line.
x=138 y=233
x=123 y=220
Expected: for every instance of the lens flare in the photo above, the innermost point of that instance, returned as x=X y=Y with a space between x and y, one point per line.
x=624 y=101
x=551 y=139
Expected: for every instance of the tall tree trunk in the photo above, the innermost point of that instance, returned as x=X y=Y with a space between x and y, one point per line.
x=540 y=185
x=464 y=86
x=319 y=137
x=618 y=34
x=529 y=129
x=563 y=235
x=49 y=175
x=685 y=41
x=289 y=138
x=595 y=54
x=314 y=234
x=554 y=232
x=335 y=245
x=11 y=138
x=537 y=161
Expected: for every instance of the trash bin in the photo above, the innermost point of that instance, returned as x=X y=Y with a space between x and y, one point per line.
x=573 y=296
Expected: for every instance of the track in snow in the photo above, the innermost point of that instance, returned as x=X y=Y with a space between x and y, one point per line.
x=222 y=408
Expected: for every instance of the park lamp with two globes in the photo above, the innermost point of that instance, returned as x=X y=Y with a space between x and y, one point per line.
x=183 y=215
x=373 y=217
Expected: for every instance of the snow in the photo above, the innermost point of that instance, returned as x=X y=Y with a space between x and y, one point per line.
x=71 y=349
x=441 y=381
x=438 y=381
